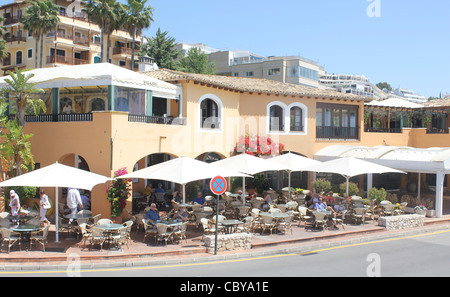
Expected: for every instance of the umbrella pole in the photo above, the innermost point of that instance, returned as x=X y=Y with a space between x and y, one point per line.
x=184 y=195
x=289 y=184
x=347 y=178
x=57 y=215
x=243 y=191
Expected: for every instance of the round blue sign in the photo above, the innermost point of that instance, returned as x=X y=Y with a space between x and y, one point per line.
x=218 y=185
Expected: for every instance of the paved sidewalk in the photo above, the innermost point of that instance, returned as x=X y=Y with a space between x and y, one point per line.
x=59 y=256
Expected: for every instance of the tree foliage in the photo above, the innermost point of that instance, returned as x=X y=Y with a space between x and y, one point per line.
x=21 y=90
x=161 y=49
x=196 y=62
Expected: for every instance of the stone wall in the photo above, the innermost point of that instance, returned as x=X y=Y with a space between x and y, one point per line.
x=401 y=221
x=229 y=242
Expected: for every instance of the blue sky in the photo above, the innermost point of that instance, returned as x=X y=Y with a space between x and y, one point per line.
x=407 y=45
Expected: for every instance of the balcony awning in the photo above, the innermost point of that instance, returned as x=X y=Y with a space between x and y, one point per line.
x=99 y=74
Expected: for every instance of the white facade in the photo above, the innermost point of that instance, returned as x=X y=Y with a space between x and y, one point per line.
x=409 y=95
x=352 y=84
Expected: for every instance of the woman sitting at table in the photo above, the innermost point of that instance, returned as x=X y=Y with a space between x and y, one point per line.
x=267 y=201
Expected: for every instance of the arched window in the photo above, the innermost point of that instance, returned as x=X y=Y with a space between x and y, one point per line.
x=296 y=119
x=209 y=114
x=19 y=58
x=276 y=118
x=97 y=104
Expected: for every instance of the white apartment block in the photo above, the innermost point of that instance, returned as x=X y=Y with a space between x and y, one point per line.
x=352 y=84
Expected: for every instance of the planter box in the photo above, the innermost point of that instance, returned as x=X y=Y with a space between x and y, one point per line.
x=401 y=222
x=409 y=209
x=431 y=213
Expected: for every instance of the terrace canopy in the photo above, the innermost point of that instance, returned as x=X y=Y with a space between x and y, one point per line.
x=98 y=74
x=435 y=160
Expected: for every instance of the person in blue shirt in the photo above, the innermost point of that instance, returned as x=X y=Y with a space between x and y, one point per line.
x=320 y=205
x=152 y=214
x=199 y=199
x=159 y=189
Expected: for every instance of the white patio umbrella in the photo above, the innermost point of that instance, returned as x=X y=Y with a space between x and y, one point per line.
x=182 y=170
x=292 y=163
x=349 y=167
x=248 y=164
x=57 y=175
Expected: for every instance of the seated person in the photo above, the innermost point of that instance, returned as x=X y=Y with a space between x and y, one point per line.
x=181 y=214
x=320 y=205
x=178 y=197
x=152 y=214
x=159 y=189
x=265 y=206
x=199 y=199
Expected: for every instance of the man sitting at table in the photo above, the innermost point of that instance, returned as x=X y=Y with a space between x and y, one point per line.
x=199 y=199
x=152 y=214
x=181 y=214
x=320 y=205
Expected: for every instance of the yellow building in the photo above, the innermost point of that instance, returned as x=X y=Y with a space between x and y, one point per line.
x=76 y=41
x=125 y=119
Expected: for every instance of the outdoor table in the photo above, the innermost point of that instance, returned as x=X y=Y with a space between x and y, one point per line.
x=25 y=233
x=110 y=229
x=19 y=218
x=229 y=224
x=78 y=216
x=170 y=223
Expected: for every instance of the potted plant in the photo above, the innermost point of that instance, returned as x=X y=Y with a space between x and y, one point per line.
x=420 y=209
x=118 y=193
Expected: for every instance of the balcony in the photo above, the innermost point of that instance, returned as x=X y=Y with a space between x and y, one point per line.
x=11 y=20
x=122 y=51
x=65 y=60
x=13 y=38
x=156 y=120
x=329 y=132
x=382 y=130
x=45 y=118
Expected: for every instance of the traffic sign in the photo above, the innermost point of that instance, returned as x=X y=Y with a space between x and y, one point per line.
x=218 y=185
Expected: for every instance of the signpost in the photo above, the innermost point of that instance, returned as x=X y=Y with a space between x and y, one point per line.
x=218 y=186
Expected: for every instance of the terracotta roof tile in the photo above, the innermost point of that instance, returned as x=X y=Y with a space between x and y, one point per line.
x=255 y=85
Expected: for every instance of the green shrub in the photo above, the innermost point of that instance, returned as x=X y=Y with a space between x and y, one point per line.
x=321 y=185
x=352 y=188
x=23 y=192
x=377 y=194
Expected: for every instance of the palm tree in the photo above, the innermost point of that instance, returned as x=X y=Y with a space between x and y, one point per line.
x=104 y=13
x=139 y=17
x=20 y=90
x=115 y=23
x=40 y=18
x=3 y=48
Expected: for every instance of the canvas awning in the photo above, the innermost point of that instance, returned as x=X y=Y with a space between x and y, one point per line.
x=394 y=103
x=434 y=160
x=99 y=74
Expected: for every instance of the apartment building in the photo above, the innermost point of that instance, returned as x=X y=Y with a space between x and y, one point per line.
x=352 y=84
x=288 y=69
x=76 y=41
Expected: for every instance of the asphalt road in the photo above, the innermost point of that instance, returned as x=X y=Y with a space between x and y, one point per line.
x=420 y=255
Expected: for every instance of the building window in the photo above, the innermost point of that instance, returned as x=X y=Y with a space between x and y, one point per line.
x=273 y=71
x=30 y=53
x=19 y=58
x=296 y=119
x=210 y=114
x=337 y=121
x=249 y=74
x=276 y=118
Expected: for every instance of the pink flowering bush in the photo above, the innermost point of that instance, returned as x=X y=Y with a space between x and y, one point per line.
x=118 y=192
